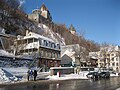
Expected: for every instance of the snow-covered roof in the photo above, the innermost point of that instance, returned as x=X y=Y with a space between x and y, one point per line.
x=110 y=48
x=69 y=53
x=37 y=36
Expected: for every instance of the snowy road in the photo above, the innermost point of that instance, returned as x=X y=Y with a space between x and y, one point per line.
x=108 y=84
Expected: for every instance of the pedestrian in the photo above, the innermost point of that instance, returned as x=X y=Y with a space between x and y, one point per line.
x=78 y=70
x=28 y=75
x=35 y=74
x=31 y=74
x=75 y=70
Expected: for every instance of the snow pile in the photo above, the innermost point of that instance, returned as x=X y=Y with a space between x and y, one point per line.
x=6 y=77
x=67 y=77
x=5 y=53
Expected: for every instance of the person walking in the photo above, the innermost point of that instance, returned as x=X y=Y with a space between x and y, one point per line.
x=31 y=74
x=28 y=75
x=35 y=74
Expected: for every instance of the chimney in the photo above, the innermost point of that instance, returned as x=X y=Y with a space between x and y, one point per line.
x=27 y=32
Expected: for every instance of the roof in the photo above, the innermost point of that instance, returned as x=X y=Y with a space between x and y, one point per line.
x=37 y=36
x=72 y=28
x=44 y=7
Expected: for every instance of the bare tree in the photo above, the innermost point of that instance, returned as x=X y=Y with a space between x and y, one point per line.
x=80 y=55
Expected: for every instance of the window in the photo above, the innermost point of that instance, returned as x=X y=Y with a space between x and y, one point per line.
x=34 y=49
x=112 y=54
x=116 y=59
x=58 y=46
x=42 y=53
x=58 y=55
x=113 y=64
x=26 y=51
x=25 y=41
x=19 y=42
x=112 y=59
x=35 y=40
x=48 y=54
x=30 y=50
x=116 y=64
x=30 y=40
x=117 y=69
x=52 y=45
x=40 y=41
x=44 y=43
x=108 y=55
x=1 y=45
x=45 y=53
x=53 y=55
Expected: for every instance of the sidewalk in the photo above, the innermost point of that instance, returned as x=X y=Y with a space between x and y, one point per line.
x=40 y=76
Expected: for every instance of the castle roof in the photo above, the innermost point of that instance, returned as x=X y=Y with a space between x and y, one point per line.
x=44 y=7
x=72 y=28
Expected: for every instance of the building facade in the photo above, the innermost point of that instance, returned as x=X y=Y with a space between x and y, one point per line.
x=45 y=50
x=93 y=59
x=109 y=57
x=72 y=54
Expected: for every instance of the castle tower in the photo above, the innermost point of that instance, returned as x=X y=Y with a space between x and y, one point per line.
x=40 y=15
x=45 y=12
x=72 y=29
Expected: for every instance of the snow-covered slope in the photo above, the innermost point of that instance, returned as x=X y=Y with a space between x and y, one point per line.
x=6 y=77
x=50 y=34
x=5 y=53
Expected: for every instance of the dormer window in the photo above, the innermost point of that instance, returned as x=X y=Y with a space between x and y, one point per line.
x=47 y=43
x=44 y=42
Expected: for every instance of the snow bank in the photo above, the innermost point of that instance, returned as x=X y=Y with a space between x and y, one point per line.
x=5 y=53
x=67 y=77
x=6 y=77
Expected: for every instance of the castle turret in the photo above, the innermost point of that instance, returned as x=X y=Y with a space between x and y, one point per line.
x=72 y=29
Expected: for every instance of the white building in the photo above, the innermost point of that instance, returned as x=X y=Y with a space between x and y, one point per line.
x=109 y=57
x=44 y=49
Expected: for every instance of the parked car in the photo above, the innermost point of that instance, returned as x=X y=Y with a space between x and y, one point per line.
x=104 y=74
x=93 y=75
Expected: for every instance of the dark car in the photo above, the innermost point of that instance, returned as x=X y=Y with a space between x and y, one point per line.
x=93 y=75
x=104 y=74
